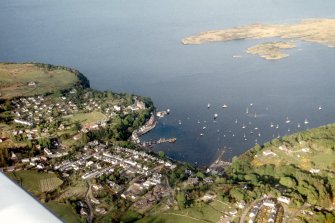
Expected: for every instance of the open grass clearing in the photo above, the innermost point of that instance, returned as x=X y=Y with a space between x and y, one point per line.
x=14 y=79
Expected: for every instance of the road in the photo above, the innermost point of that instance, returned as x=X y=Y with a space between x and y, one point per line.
x=88 y=201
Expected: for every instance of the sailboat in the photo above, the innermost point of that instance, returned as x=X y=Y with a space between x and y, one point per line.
x=287 y=120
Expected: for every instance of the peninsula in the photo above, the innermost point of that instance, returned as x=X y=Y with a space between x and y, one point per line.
x=320 y=31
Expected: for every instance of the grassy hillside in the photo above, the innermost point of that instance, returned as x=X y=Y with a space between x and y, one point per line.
x=44 y=78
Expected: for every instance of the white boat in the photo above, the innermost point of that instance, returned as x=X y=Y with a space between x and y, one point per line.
x=204 y=127
x=247 y=111
x=243 y=126
x=236 y=121
x=179 y=122
x=244 y=135
x=251 y=132
x=259 y=134
x=216 y=115
x=224 y=106
x=298 y=125
x=256 y=128
x=271 y=125
x=277 y=126
x=201 y=134
x=168 y=111
x=255 y=115
x=320 y=108
x=251 y=104
x=289 y=130
x=198 y=122
x=287 y=120
x=209 y=105
x=306 y=121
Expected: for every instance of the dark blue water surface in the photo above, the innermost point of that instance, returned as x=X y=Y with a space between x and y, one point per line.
x=134 y=46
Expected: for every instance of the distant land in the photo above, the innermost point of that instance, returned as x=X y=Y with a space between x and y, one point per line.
x=320 y=31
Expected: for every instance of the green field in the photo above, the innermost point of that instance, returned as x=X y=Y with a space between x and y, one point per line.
x=36 y=182
x=64 y=211
x=87 y=118
x=205 y=213
x=14 y=79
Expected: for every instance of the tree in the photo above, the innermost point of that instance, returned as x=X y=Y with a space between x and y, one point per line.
x=161 y=154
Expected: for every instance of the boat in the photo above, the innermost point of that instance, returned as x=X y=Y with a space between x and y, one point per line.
x=251 y=104
x=320 y=108
x=236 y=121
x=233 y=134
x=288 y=130
x=224 y=106
x=287 y=120
x=251 y=132
x=247 y=111
x=179 y=122
x=209 y=105
x=244 y=135
x=204 y=127
x=255 y=115
x=256 y=128
x=259 y=134
x=243 y=126
x=216 y=115
x=271 y=125
x=198 y=122
x=201 y=134
x=306 y=121
x=168 y=111
x=277 y=126
x=298 y=125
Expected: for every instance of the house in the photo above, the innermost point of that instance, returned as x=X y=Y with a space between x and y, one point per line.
x=47 y=151
x=31 y=83
x=95 y=201
x=268 y=203
x=284 y=199
x=22 y=122
x=269 y=153
x=208 y=180
x=193 y=180
x=233 y=212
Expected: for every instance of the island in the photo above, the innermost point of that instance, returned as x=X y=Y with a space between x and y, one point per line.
x=320 y=31
x=271 y=50
x=77 y=151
